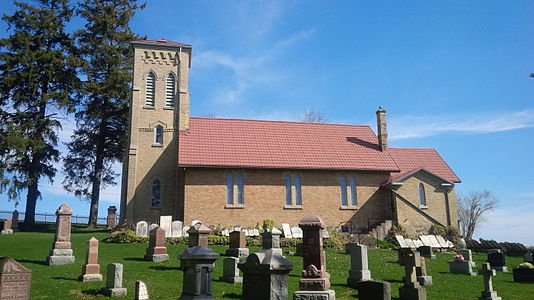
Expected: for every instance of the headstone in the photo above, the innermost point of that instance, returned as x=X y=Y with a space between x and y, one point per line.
x=141 y=292
x=112 y=217
x=246 y=232
x=497 y=261
x=165 y=222
x=488 y=293
x=256 y=232
x=425 y=240
x=422 y=277
x=7 y=227
x=15 y=279
x=528 y=257
x=418 y=243
x=238 y=247
x=490 y=251
x=230 y=270
x=198 y=235
x=410 y=243
x=411 y=289
x=401 y=241
x=296 y=232
x=373 y=290
x=114 y=281
x=184 y=231
x=426 y=251
x=326 y=234
x=197 y=263
x=141 y=228
x=287 y=231
x=156 y=250
x=151 y=227
x=176 y=228
x=194 y=222
x=315 y=283
x=442 y=242
x=15 y=220
x=265 y=273
x=434 y=242
x=461 y=267
x=359 y=264
x=61 y=253
x=225 y=232
x=91 y=269
x=466 y=253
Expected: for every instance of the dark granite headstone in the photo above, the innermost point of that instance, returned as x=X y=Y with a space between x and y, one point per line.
x=373 y=290
x=497 y=261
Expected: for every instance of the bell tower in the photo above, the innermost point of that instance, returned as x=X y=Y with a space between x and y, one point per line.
x=159 y=110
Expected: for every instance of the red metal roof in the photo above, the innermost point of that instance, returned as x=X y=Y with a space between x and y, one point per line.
x=161 y=43
x=411 y=160
x=278 y=144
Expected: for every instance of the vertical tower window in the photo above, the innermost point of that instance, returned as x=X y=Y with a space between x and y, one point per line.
x=347 y=185
x=293 y=190
x=158 y=135
x=156 y=194
x=422 y=196
x=150 y=89
x=170 y=90
x=235 y=185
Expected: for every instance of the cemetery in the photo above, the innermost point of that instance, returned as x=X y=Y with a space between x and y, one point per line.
x=204 y=262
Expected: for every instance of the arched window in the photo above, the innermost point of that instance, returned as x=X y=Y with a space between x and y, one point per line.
x=422 y=196
x=158 y=135
x=156 y=194
x=150 y=89
x=170 y=90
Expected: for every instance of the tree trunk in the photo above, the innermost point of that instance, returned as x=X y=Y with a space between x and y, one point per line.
x=97 y=180
x=31 y=202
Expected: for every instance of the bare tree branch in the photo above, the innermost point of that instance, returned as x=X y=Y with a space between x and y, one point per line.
x=472 y=207
x=311 y=116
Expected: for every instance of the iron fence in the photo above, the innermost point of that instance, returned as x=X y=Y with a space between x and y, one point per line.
x=51 y=218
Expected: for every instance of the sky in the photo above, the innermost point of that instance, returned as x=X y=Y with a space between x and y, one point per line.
x=452 y=75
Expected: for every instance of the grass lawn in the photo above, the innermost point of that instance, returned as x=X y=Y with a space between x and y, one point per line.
x=164 y=280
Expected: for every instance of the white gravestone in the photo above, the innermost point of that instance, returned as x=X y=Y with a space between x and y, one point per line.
x=296 y=232
x=184 y=231
x=176 y=227
x=401 y=241
x=195 y=221
x=225 y=232
x=141 y=292
x=165 y=222
x=141 y=228
x=287 y=230
x=152 y=226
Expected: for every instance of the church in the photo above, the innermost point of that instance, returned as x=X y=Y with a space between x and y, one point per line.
x=240 y=172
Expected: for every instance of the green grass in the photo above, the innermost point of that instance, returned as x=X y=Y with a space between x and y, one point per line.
x=164 y=280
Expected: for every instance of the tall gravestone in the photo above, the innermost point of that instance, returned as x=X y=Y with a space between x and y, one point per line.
x=359 y=264
x=197 y=263
x=166 y=223
x=15 y=220
x=112 y=217
x=15 y=280
x=141 y=228
x=114 y=281
x=488 y=293
x=61 y=253
x=198 y=235
x=176 y=228
x=7 y=227
x=265 y=273
x=157 y=251
x=91 y=269
x=411 y=289
x=315 y=283
x=238 y=247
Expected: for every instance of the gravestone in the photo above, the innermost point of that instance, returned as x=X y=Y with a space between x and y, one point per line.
x=359 y=264
x=165 y=222
x=194 y=222
x=488 y=293
x=15 y=279
x=468 y=256
x=114 y=281
x=528 y=257
x=461 y=267
x=256 y=232
x=141 y=228
x=61 y=253
x=425 y=240
x=7 y=227
x=141 y=292
x=151 y=227
x=373 y=290
x=225 y=232
x=156 y=250
x=198 y=235
x=426 y=251
x=315 y=283
x=497 y=261
x=442 y=242
x=422 y=277
x=15 y=220
x=401 y=241
x=265 y=273
x=91 y=269
x=184 y=231
x=287 y=231
x=230 y=270
x=296 y=232
x=326 y=234
x=112 y=217
x=410 y=243
x=197 y=263
x=176 y=228
x=411 y=289
x=238 y=247
x=418 y=243
x=434 y=241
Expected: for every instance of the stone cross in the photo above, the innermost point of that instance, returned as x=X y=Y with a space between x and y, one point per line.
x=141 y=293
x=61 y=253
x=157 y=251
x=7 y=227
x=15 y=279
x=198 y=235
x=15 y=220
x=91 y=269
x=488 y=293
x=114 y=281
x=411 y=288
x=112 y=217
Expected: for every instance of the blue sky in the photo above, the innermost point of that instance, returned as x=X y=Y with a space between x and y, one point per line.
x=453 y=75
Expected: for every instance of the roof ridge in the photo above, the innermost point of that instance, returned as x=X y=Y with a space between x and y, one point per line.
x=281 y=121
x=417 y=148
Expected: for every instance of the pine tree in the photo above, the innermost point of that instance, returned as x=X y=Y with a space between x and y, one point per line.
x=37 y=84
x=100 y=137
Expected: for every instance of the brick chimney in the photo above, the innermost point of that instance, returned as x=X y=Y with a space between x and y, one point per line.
x=382 y=128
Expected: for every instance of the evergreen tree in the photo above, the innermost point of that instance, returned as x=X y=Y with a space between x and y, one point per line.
x=37 y=83
x=100 y=137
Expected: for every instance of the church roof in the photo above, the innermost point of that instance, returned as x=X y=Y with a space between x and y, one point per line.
x=412 y=160
x=161 y=42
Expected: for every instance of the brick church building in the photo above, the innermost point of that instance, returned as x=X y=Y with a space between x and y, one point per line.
x=240 y=172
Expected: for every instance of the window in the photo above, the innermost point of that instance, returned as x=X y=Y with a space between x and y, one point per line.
x=170 y=90
x=156 y=194
x=150 y=89
x=422 y=196
x=293 y=190
x=347 y=185
x=158 y=135
x=235 y=183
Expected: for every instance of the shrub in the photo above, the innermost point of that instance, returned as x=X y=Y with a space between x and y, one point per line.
x=525 y=265
x=395 y=230
x=181 y=241
x=384 y=244
x=218 y=240
x=253 y=241
x=289 y=243
x=268 y=223
x=125 y=237
x=436 y=229
x=337 y=240
x=448 y=232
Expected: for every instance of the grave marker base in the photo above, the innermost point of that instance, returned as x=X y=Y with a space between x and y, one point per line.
x=7 y=231
x=373 y=290
x=424 y=280
x=489 y=296
x=157 y=257
x=407 y=292
x=501 y=269
x=60 y=257
x=115 y=292
x=315 y=295
x=237 y=252
x=90 y=277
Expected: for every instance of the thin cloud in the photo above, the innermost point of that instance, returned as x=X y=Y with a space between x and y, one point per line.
x=508 y=223
x=299 y=37
x=472 y=123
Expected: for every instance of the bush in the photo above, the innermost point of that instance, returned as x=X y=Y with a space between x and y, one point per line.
x=289 y=243
x=395 y=230
x=337 y=240
x=384 y=244
x=125 y=237
x=449 y=232
x=253 y=241
x=268 y=223
x=181 y=241
x=218 y=240
x=525 y=265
